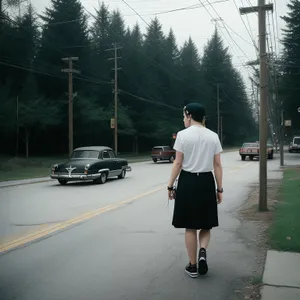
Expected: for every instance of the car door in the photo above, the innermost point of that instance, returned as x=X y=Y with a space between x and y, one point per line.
x=116 y=163
x=111 y=162
x=107 y=162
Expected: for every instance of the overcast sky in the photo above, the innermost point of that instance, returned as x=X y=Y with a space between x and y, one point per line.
x=197 y=22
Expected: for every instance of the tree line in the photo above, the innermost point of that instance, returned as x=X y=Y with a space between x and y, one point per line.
x=289 y=68
x=156 y=79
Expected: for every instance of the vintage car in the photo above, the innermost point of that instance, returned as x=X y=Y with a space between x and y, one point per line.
x=294 y=146
x=252 y=150
x=163 y=153
x=90 y=163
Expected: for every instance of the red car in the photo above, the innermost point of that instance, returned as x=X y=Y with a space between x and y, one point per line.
x=252 y=150
x=163 y=153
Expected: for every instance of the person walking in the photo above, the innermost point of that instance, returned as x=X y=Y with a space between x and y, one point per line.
x=198 y=190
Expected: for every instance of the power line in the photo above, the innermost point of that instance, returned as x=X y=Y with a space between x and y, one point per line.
x=277 y=25
x=249 y=31
x=49 y=74
x=135 y=12
x=223 y=34
x=275 y=30
x=225 y=26
x=190 y=7
x=150 y=101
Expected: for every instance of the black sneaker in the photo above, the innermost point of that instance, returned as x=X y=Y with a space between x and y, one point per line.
x=202 y=262
x=191 y=270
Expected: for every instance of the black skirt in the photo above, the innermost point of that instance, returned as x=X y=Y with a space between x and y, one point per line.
x=196 y=201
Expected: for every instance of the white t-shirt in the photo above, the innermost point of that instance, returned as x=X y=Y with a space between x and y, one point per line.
x=199 y=145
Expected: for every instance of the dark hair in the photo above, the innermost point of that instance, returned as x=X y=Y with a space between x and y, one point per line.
x=195 y=110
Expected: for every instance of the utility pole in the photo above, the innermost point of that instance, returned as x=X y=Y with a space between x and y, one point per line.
x=70 y=71
x=261 y=8
x=281 y=138
x=115 y=58
x=218 y=109
x=18 y=128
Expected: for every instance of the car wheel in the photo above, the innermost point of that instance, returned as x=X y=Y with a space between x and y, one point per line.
x=122 y=175
x=102 y=179
x=251 y=157
x=243 y=157
x=154 y=160
x=171 y=159
x=62 y=181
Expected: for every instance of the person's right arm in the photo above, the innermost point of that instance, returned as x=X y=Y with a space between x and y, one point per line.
x=218 y=170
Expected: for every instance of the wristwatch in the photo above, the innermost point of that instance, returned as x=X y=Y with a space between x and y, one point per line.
x=170 y=188
x=220 y=191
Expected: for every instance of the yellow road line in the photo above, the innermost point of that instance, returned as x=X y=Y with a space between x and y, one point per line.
x=243 y=167
x=63 y=225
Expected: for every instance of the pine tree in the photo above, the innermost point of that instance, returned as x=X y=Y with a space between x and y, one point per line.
x=65 y=34
x=218 y=71
x=190 y=65
x=291 y=64
x=101 y=66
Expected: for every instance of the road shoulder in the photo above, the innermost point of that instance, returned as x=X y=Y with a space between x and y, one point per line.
x=273 y=235
x=254 y=230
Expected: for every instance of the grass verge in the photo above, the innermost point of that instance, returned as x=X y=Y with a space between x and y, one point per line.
x=19 y=168
x=285 y=229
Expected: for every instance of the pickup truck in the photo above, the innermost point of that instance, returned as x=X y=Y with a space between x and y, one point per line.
x=160 y=153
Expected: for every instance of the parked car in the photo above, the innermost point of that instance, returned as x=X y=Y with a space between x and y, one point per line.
x=163 y=153
x=90 y=163
x=252 y=150
x=295 y=144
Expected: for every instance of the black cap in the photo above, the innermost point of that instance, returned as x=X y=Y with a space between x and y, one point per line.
x=196 y=111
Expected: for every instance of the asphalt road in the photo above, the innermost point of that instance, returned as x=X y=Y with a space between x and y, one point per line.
x=115 y=241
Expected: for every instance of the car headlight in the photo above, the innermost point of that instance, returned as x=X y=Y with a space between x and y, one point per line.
x=54 y=167
x=87 y=166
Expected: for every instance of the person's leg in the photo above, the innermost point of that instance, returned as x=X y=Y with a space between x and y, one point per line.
x=204 y=238
x=191 y=246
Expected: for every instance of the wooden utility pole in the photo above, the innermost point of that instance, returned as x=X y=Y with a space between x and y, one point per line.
x=218 y=109
x=70 y=71
x=115 y=58
x=261 y=9
x=281 y=138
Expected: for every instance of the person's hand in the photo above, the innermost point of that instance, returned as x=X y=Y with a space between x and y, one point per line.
x=219 y=197
x=171 y=195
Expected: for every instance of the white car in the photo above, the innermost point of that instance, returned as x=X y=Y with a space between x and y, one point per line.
x=295 y=144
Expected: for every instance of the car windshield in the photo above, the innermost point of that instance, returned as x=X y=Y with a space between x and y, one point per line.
x=249 y=145
x=297 y=140
x=85 y=154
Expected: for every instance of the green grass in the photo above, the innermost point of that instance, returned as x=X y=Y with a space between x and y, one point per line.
x=285 y=230
x=14 y=168
x=17 y=168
